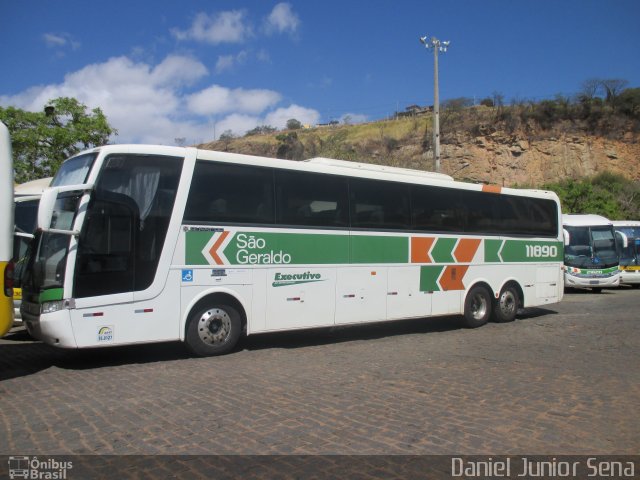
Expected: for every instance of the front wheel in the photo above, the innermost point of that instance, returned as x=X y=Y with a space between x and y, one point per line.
x=506 y=306
x=477 y=307
x=214 y=330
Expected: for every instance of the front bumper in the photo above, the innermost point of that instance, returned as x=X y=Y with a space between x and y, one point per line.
x=576 y=281
x=51 y=328
x=630 y=278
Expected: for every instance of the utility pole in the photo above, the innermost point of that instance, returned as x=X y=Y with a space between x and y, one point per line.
x=437 y=46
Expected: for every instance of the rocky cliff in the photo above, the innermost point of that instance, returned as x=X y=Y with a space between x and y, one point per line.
x=488 y=156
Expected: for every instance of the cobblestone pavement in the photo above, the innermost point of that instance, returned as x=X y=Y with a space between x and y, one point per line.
x=559 y=380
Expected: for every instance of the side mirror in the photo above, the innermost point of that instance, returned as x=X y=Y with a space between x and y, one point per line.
x=47 y=206
x=622 y=240
x=567 y=237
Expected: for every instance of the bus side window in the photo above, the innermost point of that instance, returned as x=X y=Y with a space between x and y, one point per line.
x=310 y=199
x=227 y=193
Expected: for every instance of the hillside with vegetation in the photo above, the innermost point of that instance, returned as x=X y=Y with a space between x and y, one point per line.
x=586 y=148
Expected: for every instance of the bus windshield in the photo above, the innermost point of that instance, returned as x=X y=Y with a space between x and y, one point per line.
x=591 y=247
x=48 y=260
x=74 y=171
x=630 y=254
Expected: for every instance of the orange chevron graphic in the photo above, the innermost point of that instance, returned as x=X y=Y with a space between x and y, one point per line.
x=216 y=245
x=466 y=249
x=451 y=278
x=420 y=247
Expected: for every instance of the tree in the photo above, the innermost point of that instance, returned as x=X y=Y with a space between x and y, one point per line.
x=260 y=130
x=293 y=124
x=612 y=88
x=41 y=141
x=628 y=102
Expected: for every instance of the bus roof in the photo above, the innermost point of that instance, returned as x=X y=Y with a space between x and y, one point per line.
x=625 y=223
x=34 y=187
x=329 y=166
x=379 y=168
x=584 y=220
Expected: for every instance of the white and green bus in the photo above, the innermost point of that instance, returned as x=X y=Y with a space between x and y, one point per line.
x=6 y=231
x=148 y=244
x=629 y=253
x=590 y=253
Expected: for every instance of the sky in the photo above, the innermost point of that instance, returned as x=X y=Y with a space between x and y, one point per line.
x=185 y=71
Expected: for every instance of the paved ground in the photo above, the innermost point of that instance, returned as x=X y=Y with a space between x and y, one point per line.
x=562 y=380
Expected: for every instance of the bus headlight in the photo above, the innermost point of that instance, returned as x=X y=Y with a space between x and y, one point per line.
x=50 y=307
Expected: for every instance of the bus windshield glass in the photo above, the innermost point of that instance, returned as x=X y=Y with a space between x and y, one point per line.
x=49 y=262
x=630 y=255
x=591 y=247
x=74 y=171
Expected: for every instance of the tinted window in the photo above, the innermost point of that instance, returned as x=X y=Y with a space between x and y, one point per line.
x=127 y=219
x=227 y=193
x=464 y=211
x=311 y=199
x=376 y=204
x=438 y=209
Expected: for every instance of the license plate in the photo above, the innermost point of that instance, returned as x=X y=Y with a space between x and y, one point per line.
x=594 y=282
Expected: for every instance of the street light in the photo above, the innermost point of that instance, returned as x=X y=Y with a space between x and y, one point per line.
x=437 y=46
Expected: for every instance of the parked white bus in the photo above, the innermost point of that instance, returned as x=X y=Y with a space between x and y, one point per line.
x=6 y=230
x=148 y=243
x=590 y=253
x=629 y=254
x=26 y=197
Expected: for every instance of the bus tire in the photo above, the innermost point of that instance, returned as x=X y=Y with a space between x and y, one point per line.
x=213 y=330
x=477 y=307
x=505 y=307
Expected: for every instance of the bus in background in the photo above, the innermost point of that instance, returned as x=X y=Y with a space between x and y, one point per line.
x=6 y=231
x=590 y=252
x=149 y=243
x=26 y=197
x=629 y=255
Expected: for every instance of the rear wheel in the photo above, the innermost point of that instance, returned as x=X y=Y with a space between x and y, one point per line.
x=506 y=306
x=213 y=330
x=477 y=307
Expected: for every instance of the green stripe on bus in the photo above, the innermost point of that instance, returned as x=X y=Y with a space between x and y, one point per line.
x=491 y=249
x=379 y=249
x=194 y=244
x=429 y=275
x=300 y=248
x=51 y=295
x=513 y=251
x=442 y=252
x=266 y=248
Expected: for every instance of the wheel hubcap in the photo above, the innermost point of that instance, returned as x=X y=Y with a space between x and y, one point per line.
x=478 y=307
x=507 y=303
x=214 y=326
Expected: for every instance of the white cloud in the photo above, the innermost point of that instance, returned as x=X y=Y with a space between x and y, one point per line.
x=229 y=62
x=282 y=19
x=237 y=123
x=222 y=27
x=141 y=101
x=60 y=40
x=178 y=70
x=279 y=117
x=153 y=104
x=218 y=100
